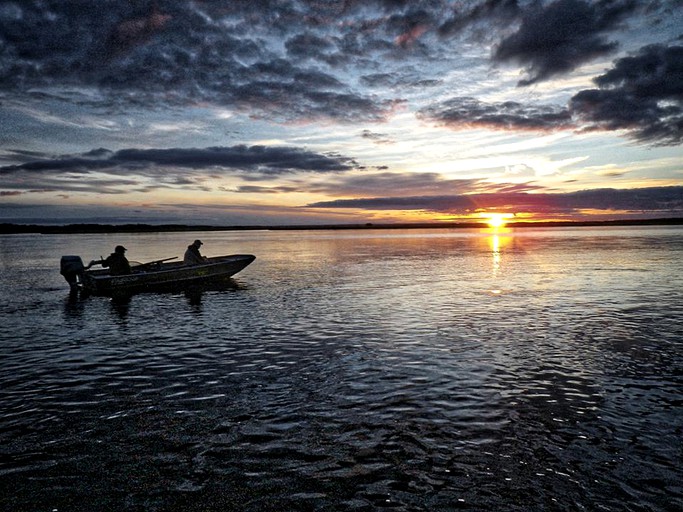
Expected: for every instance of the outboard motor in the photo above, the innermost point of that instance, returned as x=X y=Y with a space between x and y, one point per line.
x=72 y=268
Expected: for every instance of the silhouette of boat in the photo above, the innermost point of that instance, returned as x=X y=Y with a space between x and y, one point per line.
x=159 y=275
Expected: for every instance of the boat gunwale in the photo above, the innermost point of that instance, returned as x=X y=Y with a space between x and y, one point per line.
x=178 y=267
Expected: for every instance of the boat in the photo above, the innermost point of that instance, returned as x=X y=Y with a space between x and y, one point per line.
x=159 y=275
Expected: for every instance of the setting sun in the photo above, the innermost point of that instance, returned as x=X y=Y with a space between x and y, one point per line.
x=496 y=220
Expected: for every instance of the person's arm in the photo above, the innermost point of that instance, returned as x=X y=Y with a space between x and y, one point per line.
x=95 y=262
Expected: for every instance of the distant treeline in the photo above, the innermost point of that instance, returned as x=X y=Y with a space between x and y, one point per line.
x=9 y=228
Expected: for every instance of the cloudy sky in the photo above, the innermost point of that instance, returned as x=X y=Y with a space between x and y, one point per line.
x=318 y=111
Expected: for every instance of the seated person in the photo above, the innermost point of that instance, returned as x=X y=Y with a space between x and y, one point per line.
x=192 y=254
x=117 y=262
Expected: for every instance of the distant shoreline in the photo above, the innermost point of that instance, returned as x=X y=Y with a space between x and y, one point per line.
x=11 y=228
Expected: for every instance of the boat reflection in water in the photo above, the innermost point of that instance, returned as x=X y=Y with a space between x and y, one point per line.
x=195 y=293
x=121 y=301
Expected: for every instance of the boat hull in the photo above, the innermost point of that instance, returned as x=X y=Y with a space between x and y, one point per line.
x=164 y=276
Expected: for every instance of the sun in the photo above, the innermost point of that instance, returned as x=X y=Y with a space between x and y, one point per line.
x=496 y=220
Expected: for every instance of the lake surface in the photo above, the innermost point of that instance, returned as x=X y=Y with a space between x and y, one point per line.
x=403 y=370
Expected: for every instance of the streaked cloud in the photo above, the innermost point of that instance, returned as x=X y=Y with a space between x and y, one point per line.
x=460 y=113
x=188 y=168
x=664 y=200
x=258 y=159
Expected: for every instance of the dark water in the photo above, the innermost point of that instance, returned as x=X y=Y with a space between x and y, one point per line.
x=351 y=370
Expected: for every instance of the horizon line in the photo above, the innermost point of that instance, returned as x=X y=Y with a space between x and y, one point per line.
x=72 y=228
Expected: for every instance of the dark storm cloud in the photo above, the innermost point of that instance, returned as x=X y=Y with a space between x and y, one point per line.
x=472 y=113
x=311 y=60
x=147 y=53
x=642 y=94
x=654 y=199
x=558 y=37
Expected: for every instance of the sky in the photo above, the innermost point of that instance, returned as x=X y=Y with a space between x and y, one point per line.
x=281 y=112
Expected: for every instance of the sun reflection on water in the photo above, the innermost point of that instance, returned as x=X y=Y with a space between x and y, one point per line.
x=498 y=239
x=495 y=252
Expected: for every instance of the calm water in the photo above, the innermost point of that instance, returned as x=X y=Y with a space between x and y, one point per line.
x=539 y=370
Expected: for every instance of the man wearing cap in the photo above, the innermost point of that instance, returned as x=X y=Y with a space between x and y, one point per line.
x=192 y=254
x=117 y=262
